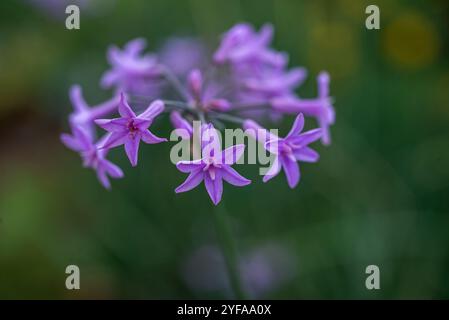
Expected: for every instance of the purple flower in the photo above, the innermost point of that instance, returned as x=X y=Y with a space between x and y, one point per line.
x=213 y=167
x=273 y=83
x=294 y=147
x=93 y=156
x=203 y=98
x=182 y=55
x=83 y=115
x=182 y=126
x=321 y=108
x=241 y=44
x=130 y=129
x=131 y=71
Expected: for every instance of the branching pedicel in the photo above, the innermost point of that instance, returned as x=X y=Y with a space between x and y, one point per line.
x=246 y=81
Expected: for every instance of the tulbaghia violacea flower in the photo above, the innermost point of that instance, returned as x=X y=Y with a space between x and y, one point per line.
x=320 y=108
x=132 y=71
x=289 y=150
x=183 y=127
x=93 y=156
x=83 y=115
x=246 y=80
x=213 y=167
x=183 y=54
x=129 y=129
x=242 y=45
x=258 y=72
x=204 y=98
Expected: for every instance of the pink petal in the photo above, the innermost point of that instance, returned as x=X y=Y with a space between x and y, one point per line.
x=291 y=170
x=306 y=154
x=109 y=78
x=195 y=83
x=233 y=177
x=114 y=139
x=258 y=132
x=210 y=142
x=214 y=187
x=273 y=146
x=189 y=166
x=76 y=98
x=307 y=137
x=124 y=109
x=83 y=136
x=179 y=122
x=132 y=149
x=297 y=127
x=71 y=142
x=273 y=171
x=103 y=178
x=150 y=138
x=112 y=169
x=135 y=47
x=323 y=80
x=232 y=154
x=153 y=110
x=191 y=182
x=118 y=124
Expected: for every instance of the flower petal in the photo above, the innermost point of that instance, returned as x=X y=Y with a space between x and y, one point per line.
x=193 y=180
x=112 y=169
x=132 y=149
x=118 y=124
x=297 y=127
x=124 y=109
x=135 y=46
x=214 y=187
x=306 y=138
x=274 y=170
x=232 y=154
x=233 y=177
x=210 y=142
x=273 y=145
x=114 y=139
x=306 y=154
x=103 y=178
x=150 y=138
x=179 y=122
x=323 y=81
x=153 y=110
x=77 y=99
x=189 y=166
x=256 y=131
x=195 y=83
x=291 y=170
x=70 y=142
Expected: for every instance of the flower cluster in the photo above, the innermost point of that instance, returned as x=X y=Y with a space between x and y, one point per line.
x=245 y=81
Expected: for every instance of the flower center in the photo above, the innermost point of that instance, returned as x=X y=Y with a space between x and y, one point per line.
x=211 y=167
x=285 y=148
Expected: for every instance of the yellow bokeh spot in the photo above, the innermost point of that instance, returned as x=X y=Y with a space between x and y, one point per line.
x=411 y=41
x=333 y=46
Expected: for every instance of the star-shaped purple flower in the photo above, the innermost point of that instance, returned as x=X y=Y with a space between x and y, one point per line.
x=289 y=150
x=131 y=70
x=320 y=108
x=93 y=156
x=83 y=115
x=213 y=167
x=130 y=129
x=242 y=44
x=204 y=97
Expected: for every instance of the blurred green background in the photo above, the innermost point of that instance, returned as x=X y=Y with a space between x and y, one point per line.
x=379 y=194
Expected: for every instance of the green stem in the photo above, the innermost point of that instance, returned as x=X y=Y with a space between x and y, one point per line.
x=228 y=247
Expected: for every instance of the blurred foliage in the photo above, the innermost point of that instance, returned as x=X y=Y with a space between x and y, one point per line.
x=377 y=196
